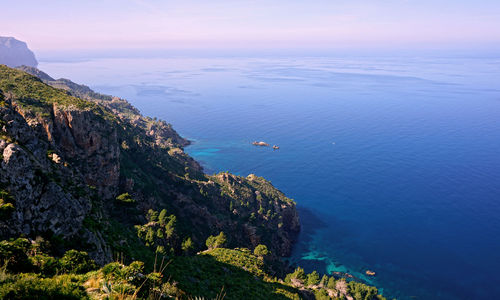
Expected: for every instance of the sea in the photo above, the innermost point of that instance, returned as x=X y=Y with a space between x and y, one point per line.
x=393 y=160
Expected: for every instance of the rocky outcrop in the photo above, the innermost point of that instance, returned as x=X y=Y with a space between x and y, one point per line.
x=45 y=193
x=255 y=198
x=15 y=53
x=36 y=72
x=162 y=132
x=90 y=143
x=81 y=139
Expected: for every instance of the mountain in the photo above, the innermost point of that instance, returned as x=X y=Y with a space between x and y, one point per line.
x=98 y=201
x=15 y=53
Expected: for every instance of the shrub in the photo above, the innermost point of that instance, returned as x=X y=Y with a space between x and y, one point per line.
x=125 y=198
x=210 y=242
x=161 y=250
x=321 y=295
x=170 y=226
x=6 y=206
x=46 y=265
x=298 y=274
x=313 y=278
x=134 y=272
x=112 y=270
x=117 y=271
x=151 y=283
x=77 y=262
x=162 y=218
x=6 y=210
x=216 y=241
x=261 y=250
x=324 y=281
x=40 y=245
x=14 y=253
x=361 y=291
x=331 y=283
x=33 y=287
x=152 y=215
x=187 y=245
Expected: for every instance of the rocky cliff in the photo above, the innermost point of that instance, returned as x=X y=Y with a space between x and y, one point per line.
x=15 y=53
x=85 y=170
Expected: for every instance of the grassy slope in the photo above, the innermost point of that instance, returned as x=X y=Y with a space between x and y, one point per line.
x=241 y=274
x=34 y=95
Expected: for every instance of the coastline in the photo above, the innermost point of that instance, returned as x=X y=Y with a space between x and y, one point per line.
x=309 y=224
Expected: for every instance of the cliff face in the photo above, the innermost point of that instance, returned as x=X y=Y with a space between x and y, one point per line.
x=65 y=159
x=15 y=53
x=50 y=198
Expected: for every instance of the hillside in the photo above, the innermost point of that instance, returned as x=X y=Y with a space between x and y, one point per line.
x=85 y=171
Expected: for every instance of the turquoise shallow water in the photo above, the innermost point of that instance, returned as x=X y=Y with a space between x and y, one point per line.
x=393 y=161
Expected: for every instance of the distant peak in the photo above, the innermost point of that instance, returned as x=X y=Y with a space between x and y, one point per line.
x=15 y=53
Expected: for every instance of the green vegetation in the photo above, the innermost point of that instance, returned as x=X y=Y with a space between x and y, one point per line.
x=160 y=232
x=32 y=286
x=77 y=262
x=216 y=241
x=312 y=279
x=21 y=255
x=237 y=271
x=6 y=204
x=35 y=96
x=261 y=251
x=187 y=245
x=125 y=198
x=331 y=286
x=298 y=275
x=29 y=273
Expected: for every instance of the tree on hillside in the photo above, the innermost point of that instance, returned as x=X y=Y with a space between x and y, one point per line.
x=312 y=278
x=187 y=245
x=162 y=218
x=216 y=241
x=261 y=251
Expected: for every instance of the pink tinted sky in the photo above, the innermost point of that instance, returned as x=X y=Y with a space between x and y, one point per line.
x=57 y=24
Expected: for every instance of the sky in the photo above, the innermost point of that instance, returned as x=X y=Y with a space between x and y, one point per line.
x=108 y=24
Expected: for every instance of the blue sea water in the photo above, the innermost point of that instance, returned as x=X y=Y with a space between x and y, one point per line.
x=394 y=161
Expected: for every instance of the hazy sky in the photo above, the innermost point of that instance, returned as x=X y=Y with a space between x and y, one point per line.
x=90 y=24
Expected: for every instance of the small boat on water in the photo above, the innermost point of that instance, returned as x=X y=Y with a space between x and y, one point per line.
x=370 y=273
x=262 y=144
x=275 y=147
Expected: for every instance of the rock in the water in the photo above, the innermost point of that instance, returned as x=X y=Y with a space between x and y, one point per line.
x=15 y=53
